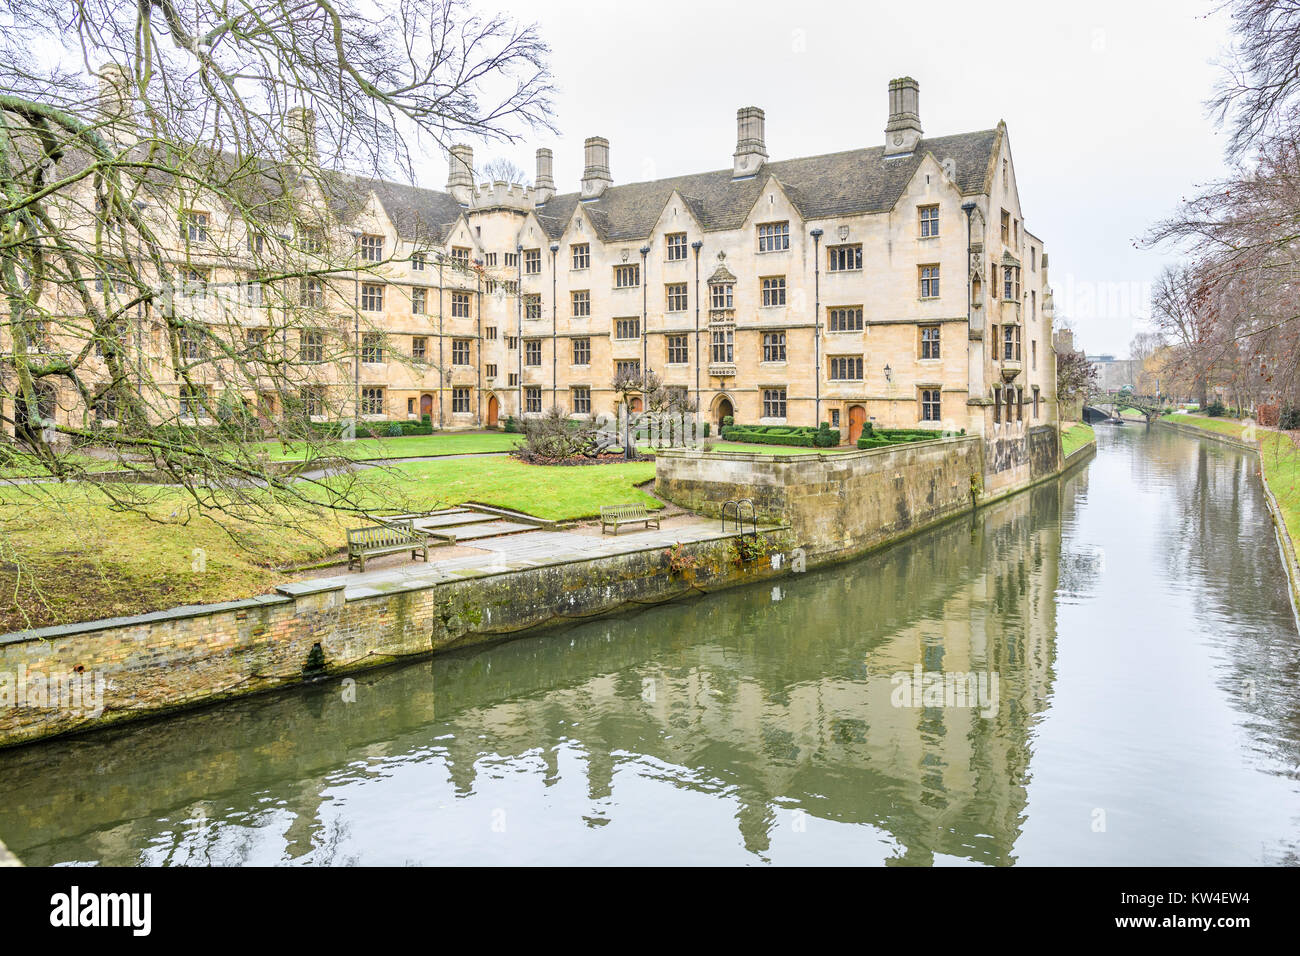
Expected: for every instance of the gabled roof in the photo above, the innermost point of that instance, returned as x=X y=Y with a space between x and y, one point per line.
x=416 y=212
x=836 y=184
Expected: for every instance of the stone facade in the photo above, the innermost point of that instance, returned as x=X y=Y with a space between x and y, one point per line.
x=894 y=284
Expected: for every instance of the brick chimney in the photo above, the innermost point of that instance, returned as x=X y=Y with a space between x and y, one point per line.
x=595 y=176
x=751 y=150
x=903 y=131
x=460 y=174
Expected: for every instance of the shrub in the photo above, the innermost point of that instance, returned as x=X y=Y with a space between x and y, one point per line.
x=553 y=436
x=706 y=429
x=394 y=430
x=881 y=438
x=1215 y=409
x=511 y=425
x=1289 y=418
x=728 y=420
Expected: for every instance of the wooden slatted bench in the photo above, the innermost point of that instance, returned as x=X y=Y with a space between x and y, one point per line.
x=616 y=515
x=390 y=538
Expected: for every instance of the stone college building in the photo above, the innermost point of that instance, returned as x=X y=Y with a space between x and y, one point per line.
x=894 y=284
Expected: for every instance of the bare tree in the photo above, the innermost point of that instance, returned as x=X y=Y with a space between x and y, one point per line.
x=503 y=170
x=145 y=213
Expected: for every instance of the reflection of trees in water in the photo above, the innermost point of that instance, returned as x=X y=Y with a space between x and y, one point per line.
x=775 y=700
x=1220 y=534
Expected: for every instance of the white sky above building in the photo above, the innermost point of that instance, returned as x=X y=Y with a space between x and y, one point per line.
x=1104 y=102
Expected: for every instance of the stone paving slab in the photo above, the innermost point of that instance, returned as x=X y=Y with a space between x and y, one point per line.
x=483 y=529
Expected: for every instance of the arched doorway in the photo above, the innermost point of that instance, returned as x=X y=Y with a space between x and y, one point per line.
x=426 y=406
x=494 y=411
x=722 y=409
x=857 y=419
x=635 y=405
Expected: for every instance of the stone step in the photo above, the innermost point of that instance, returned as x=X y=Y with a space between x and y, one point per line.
x=486 y=529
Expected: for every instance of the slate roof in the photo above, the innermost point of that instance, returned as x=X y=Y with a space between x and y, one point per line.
x=836 y=184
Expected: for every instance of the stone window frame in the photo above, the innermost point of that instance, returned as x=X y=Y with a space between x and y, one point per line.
x=676 y=296
x=532 y=399
x=581 y=350
x=928 y=279
x=580 y=303
x=773 y=236
x=769 y=289
x=460 y=307
x=675 y=247
x=773 y=347
x=372 y=297
x=579 y=256
x=532 y=262
x=627 y=275
x=627 y=329
x=580 y=399
x=929 y=347
x=533 y=353
x=370 y=247
x=372 y=348
x=372 y=400
x=677 y=349
x=930 y=402
x=460 y=352
x=855 y=322
x=776 y=400
x=842 y=368
x=844 y=257
x=460 y=400
x=928 y=221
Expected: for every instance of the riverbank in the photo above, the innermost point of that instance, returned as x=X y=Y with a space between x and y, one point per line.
x=1279 y=469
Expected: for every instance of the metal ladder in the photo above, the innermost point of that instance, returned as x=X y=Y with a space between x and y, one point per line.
x=739 y=517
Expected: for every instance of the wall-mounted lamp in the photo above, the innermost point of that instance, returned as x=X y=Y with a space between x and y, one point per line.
x=889 y=373
x=625 y=255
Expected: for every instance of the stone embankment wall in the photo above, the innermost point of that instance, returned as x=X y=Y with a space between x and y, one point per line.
x=844 y=503
x=152 y=663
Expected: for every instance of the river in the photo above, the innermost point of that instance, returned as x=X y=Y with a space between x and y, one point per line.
x=1129 y=624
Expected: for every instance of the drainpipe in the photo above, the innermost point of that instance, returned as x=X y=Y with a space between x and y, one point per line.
x=817 y=327
x=555 y=342
x=478 y=331
x=697 y=245
x=968 y=208
x=442 y=365
x=356 y=330
x=645 y=332
x=519 y=323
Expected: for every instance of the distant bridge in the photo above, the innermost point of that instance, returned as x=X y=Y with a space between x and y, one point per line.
x=1104 y=406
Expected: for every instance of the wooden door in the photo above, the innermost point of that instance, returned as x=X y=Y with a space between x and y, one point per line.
x=426 y=406
x=493 y=411
x=857 y=418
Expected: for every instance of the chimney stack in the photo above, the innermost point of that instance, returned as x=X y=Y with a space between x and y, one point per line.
x=300 y=135
x=460 y=174
x=751 y=150
x=595 y=177
x=903 y=131
x=115 y=103
x=544 y=184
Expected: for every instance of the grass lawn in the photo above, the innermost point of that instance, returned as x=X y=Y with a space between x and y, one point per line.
x=408 y=446
x=554 y=492
x=1075 y=437
x=1224 y=426
x=1280 y=460
x=68 y=554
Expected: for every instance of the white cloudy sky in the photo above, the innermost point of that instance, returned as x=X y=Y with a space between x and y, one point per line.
x=1104 y=102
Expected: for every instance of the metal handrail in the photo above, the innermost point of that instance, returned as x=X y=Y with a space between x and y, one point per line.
x=737 y=504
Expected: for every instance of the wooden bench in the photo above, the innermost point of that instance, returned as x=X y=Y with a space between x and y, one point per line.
x=625 y=514
x=388 y=538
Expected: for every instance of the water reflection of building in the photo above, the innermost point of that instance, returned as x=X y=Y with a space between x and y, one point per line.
x=779 y=703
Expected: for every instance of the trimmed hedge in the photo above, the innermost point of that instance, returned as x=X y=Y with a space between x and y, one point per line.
x=884 y=437
x=801 y=436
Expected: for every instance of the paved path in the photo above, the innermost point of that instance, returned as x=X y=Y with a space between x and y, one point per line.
x=512 y=552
